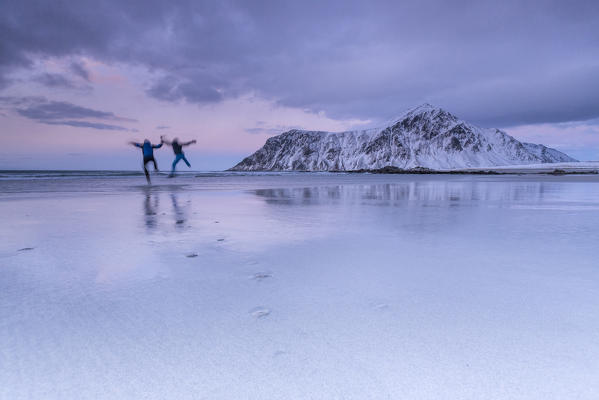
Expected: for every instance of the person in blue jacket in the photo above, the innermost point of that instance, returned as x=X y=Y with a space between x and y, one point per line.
x=147 y=149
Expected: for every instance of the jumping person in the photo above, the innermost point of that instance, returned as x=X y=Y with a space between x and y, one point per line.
x=148 y=151
x=178 y=149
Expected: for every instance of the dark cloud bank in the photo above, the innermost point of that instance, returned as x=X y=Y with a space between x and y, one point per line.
x=495 y=63
x=50 y=112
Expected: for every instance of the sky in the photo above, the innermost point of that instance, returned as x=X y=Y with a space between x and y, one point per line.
x=81 y=79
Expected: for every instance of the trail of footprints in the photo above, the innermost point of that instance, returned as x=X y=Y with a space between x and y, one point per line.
x=260 y=276
x=256 y=312
x=259 y=312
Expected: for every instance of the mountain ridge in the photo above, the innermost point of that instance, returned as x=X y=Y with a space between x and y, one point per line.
x=424 y=136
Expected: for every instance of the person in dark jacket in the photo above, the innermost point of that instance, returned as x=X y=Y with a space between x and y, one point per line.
x=147 y=149
x=179 y=155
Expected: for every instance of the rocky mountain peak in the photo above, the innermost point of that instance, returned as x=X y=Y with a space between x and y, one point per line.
x=423 y=114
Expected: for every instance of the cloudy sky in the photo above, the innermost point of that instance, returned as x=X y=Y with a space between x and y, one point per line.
x=79 y=79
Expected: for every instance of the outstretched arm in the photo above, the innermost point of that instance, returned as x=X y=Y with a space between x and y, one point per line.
x=157 y=146
x=164 y=140
x=135 y=144
x=188 y=143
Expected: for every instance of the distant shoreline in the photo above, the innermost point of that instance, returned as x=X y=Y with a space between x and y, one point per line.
x=427 y=171
x=568 y=168
x=565 y=168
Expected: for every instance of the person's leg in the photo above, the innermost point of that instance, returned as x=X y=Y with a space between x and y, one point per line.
x=155 y=166
x=185 y=159
x=146 y=172
x=175 y=162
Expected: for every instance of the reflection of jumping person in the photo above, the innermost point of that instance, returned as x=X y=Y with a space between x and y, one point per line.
x=180 y=214
x=151 y=210
x=178 y=149
x=148 y=151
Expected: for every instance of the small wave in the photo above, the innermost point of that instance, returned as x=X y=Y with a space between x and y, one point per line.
x=65 y=174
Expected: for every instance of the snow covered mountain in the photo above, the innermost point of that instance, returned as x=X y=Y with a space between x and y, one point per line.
x=424 y=136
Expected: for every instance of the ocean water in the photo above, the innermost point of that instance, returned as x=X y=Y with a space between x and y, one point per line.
x=268 y=286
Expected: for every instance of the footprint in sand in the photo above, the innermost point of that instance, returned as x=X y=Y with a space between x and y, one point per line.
x=259 y=312
x=260 y=276
x=381 y=306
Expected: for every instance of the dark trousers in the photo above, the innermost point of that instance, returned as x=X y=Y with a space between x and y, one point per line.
x=148 y=159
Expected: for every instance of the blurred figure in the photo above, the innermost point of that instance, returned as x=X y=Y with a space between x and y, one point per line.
x=147 y=149
x=178 y=149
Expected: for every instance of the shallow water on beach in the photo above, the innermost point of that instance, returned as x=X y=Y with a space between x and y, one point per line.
x=259 y=286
